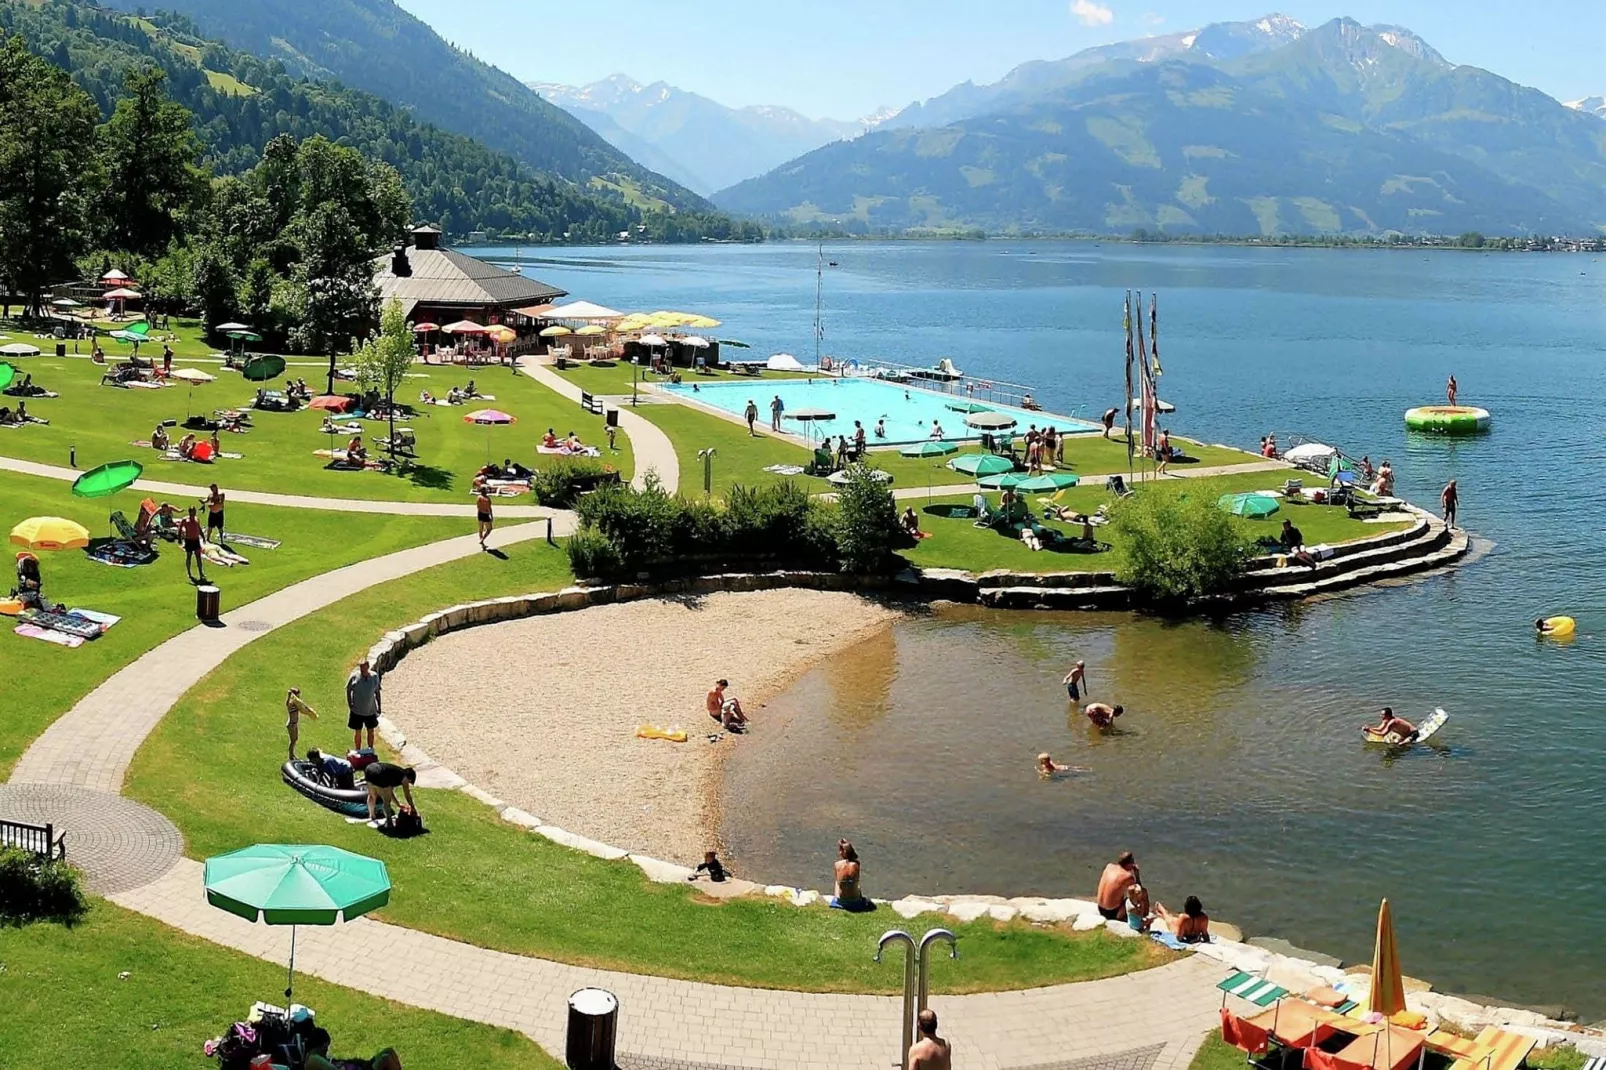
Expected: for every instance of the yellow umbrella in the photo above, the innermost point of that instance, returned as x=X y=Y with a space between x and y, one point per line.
x=702 y=323
x=634 y=322
x=555 y=332
x=1388 y=988
x=50 y=533
x=591 y=330
x=502 y=334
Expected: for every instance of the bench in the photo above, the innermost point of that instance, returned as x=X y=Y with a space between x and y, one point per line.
x=590 y=403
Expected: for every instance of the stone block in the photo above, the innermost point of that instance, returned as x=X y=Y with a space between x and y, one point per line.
x=514 y=816
x=581 y=843
x=968 y=910
x=660 y=872
x=913 y=907
x=1087 y=922
x=804 y=897
x=440 y=778
x=1121 y=929
x=1002 y=912
x=414 y=755
x=1054 y=911
x=483 y=796
x=727 y=889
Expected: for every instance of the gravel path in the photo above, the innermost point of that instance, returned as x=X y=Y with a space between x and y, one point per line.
x=542 y=712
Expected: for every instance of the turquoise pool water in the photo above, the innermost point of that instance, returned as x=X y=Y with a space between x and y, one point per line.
x=909 y=411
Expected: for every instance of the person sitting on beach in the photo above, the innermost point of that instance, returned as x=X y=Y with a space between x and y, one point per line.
x=159 y=440
x=1268 y=446
x=356 y=452
x=715 y=700
x=1138 y=912
x=1192 y=926
x=846 y=872
x=1391 y=728
x=186 y=446
x=1117 y=877
x=881 y=427
x=515 y=471
x=1367 y=471
x=1291 y=538
x=911 y=523
x=469 y=391
x=712 y=866
x=1102 y=716
x=454 y=396
x=731 y=714
x=336 y=770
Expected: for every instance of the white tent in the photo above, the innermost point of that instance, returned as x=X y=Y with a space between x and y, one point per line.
x=1309 y=453
x=581 y=311
x=783 y=362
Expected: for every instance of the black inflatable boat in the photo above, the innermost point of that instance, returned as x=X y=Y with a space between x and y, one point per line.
x=309 y=780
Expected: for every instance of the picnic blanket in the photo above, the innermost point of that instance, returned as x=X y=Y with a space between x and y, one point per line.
x=251 y=540
x=564 y=451
x=29 y=397
x=33 y=631
x=507 y=488
x=785 y=469
x=120 y=554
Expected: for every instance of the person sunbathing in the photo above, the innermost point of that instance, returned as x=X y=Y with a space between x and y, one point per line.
x=159 y=440
x=549 y=441
x=186 y=446
x=454 y=396
x=731 y=715
x=911 y=523
x=426 y=398
x=469 y=391
x=515 y=471
x=573 y=443
x=1192 y=926
x=356 y=452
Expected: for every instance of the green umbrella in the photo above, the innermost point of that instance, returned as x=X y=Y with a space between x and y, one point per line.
x=296 y=884
x=929 y=449
x=245 y=336
x=1048 y=481
x=7 y=373
x=981 y=464
x=262 y=369
x=966 y=406
x=1003 y=480
x=141 y=328
x=734 y=344
x=1250 y=505
x=108 y=479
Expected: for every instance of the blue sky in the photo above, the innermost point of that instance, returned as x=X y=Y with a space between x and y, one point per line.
x=844 y=59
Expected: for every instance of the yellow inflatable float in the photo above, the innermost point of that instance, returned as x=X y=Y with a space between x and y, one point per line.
x=674 y=733
x=1556 y=627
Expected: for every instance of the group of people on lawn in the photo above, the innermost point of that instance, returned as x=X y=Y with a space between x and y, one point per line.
x=364 y=704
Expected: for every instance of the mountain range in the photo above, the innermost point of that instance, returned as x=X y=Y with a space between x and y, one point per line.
x=1264 y=127
x=699 y=142
x=376 y=46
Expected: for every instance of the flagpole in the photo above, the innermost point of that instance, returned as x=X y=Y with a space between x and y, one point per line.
x=1126 y=319
x=1143 y=391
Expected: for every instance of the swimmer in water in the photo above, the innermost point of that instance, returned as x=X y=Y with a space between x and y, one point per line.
x=1102 y=716
x=1075 y=680
x=1392 y=728
x=1048 y=767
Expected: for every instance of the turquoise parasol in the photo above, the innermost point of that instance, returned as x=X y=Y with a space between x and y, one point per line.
x=981 y=464
x=1048 y=481
x=1251 y=505
x=929 y=449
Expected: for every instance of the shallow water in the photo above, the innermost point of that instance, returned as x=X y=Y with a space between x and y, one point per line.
x=1239 y=774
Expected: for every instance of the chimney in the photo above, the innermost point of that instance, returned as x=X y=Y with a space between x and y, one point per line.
x=400 y=266
x=426 y=237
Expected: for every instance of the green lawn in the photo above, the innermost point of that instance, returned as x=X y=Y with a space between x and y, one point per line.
x=156 y=601
x=279 y=453
x=738 y=456
x=478 y=879
x=1217 y=1054
x=958 y=543
x=68 y=1003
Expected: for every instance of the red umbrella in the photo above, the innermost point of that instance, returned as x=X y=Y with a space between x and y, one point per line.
x=425 y=328
x=330 y=403
x=464 y=327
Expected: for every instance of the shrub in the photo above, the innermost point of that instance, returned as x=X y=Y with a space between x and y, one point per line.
x=33 y=889
x=866 y=522
x=1178 y=547
x=557 y=486
x=592 y=554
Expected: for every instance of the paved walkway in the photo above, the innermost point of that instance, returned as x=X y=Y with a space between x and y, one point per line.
x=654 y=452
x=302 y=501
x=679 y=1021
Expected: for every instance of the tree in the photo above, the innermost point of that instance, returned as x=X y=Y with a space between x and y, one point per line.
x=151 y=149
x=48 y=171
x=215 y=289
x=867 y=522
x=384 y=360
x=1178 y=546
x=334 y=282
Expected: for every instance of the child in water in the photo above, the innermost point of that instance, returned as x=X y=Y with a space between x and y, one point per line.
x=1048 y=767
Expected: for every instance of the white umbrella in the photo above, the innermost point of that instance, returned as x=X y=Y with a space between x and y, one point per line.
x=653 y=340
x=843 y=477
x=193 y=375
x=695 y=341
x=784 y=362
x=66 y=302
x=581 y=310
x=225 y=328
x=19 y=349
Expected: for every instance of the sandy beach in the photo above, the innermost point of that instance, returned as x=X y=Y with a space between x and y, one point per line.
x=542 y=712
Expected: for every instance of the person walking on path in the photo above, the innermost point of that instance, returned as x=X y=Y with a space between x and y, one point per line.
x=214 y=503
x=363 y=704
x=293 y=709
x=167 y=361
x=929 y=1051
x=750 y=414
x=1117 y=877
x=1450 y=390
x=1450 y=498
x=482 y=509
x=189 y=530
x=1076 y=680
x=777 y=407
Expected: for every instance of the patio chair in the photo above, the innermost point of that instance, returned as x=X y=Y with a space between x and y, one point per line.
x=1116 y=485
x=824 y=463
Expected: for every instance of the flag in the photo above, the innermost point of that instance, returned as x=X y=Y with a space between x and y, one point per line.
x=1126 y=322
x=1154 y=333
x=1146 y=404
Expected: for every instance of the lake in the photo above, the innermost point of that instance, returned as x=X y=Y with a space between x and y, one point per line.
x=1239 y=774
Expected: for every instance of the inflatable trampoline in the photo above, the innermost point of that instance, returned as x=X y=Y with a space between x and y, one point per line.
x=1448 y=419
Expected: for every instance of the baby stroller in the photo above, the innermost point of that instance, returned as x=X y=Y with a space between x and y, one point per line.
x=30 y=584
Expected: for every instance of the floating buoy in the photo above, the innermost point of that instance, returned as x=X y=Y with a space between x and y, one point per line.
x=1448 y=419
x=1557 y=626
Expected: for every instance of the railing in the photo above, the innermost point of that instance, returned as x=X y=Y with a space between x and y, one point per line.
x=42 y=840
x=971 y=387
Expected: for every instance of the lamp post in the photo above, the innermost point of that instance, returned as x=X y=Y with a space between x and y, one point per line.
x=707 y=457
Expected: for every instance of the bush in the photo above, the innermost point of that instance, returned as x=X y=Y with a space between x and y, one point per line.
x=557 y=486
x=592 y=554
x=866 y=522
x=1178 y=547
x=32 y=889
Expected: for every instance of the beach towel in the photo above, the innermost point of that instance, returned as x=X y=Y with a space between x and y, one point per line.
x=251 y=540
x=785 y=469
x=1256 y=990
x=33 y=631
x=105 y=620
x=140 y=443
x=120 y=554
x=1165 y=937
x=564 y=451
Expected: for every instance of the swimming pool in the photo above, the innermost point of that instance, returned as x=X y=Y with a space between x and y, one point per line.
x=908 y=411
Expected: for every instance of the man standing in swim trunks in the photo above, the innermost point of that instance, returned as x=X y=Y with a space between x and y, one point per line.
x=750 y=414
x=189 y=530
x=214 y=513
x=1117 y=877
x=777 y=406
x=482 y=508
x=1075 y=680
x=363 y=704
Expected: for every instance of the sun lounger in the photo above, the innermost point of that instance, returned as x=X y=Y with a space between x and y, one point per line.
x=1256 y=990
x=1500 y=1050
x=1596 y=1063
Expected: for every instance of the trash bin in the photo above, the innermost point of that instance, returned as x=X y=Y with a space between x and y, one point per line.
x=593 y=1026
x=207 y=600
x=611 y=418
x=61 y=349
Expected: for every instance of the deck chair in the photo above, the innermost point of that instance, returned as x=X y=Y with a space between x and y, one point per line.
x=1116 y=485
x=824 y=463
x=1256 y=990
x=125 y=530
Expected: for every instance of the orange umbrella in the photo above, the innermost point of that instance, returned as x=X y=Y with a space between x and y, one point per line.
x=1388 y=987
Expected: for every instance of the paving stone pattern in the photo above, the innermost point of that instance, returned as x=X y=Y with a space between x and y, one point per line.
x=118 y=843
